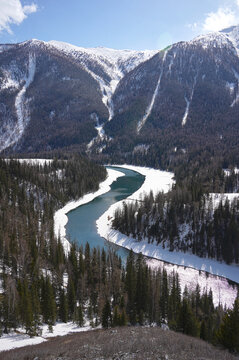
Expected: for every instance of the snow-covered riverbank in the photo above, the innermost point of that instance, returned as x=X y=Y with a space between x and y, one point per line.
x=155 y=181
x=60 y=217
x=223 y=292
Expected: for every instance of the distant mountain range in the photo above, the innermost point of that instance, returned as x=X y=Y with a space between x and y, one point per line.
x=105 y=101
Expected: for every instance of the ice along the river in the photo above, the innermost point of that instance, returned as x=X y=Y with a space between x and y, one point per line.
x=81 y=225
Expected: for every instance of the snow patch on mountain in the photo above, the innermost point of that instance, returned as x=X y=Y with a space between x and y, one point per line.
x=185 y=116
x=235 y=101
x=9 y=82
x=150 y=107
x=101 y=136
x=13 y=131
x=230 y=87
x=107 y=90
x=141 y=148
x=188 y=102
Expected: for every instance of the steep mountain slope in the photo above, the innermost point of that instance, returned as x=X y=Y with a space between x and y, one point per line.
x=56 y=94
x=190 y=85
x=120 y=103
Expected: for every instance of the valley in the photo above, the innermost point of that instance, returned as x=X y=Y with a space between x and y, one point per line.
x=86 y=245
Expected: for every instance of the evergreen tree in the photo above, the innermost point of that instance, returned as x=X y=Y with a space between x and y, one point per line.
x=63 y=307
x=106 y=318
x=187 y=322
x=80 y=319
x=228 y=333
x=71 y=297
x=48 y=302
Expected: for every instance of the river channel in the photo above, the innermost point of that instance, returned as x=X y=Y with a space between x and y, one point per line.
x=81 y=225
x=81 y=228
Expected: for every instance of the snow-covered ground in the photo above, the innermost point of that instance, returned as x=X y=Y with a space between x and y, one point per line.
x=60 y=217
x=223 y=292
x=216 y=198
x=20 y=339
x=155 y=181
x=16 y=340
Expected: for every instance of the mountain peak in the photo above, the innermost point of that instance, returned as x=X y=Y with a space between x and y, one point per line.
x=233 y=35
x=230 y=29
x=225 y=38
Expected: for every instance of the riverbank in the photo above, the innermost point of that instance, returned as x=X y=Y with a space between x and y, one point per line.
x=155 y=181
x=60 y=216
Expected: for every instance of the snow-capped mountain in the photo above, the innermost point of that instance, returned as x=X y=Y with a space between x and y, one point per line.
x=181 y=88
x=54 y=94
x=102 y=66
x=232 y=34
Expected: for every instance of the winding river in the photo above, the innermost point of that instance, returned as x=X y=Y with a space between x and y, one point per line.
x=81 y=226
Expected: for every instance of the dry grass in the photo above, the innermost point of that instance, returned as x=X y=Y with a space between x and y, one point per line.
x=121 y=344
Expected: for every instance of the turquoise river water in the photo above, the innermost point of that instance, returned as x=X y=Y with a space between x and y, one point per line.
x=81 y=226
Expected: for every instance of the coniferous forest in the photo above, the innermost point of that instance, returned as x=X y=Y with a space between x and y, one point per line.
x=182 y=220
x=41 y=284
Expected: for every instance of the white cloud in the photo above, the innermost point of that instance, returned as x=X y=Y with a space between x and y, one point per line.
x=221 y=19
x=29 y=9
x=13 y=12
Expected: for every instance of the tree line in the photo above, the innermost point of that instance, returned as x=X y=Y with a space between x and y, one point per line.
x=184 y=220
x=91 y=285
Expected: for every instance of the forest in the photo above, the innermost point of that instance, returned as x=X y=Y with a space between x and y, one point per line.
x=101 y=291
x=41 y=284
x=186 y=219
x=29 y=196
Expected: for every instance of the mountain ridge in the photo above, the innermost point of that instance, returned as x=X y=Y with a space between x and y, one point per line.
x=100 y=90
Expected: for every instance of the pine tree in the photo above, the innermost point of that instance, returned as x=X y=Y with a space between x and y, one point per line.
x=48 y=303
x=130 y=286
x=187 y=322
x=164 y=297
x=228 y=333
x=80 y=320
x=27 y=309
x=71 y=297
x=116 y=317
x=63 y=307
x=106 y=318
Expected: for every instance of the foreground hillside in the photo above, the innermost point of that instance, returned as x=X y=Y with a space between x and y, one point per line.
x=122 y=343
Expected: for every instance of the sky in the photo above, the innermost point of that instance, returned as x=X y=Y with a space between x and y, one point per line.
x=118 y=24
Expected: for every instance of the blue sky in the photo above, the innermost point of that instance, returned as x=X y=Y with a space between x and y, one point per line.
x=120 y=24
